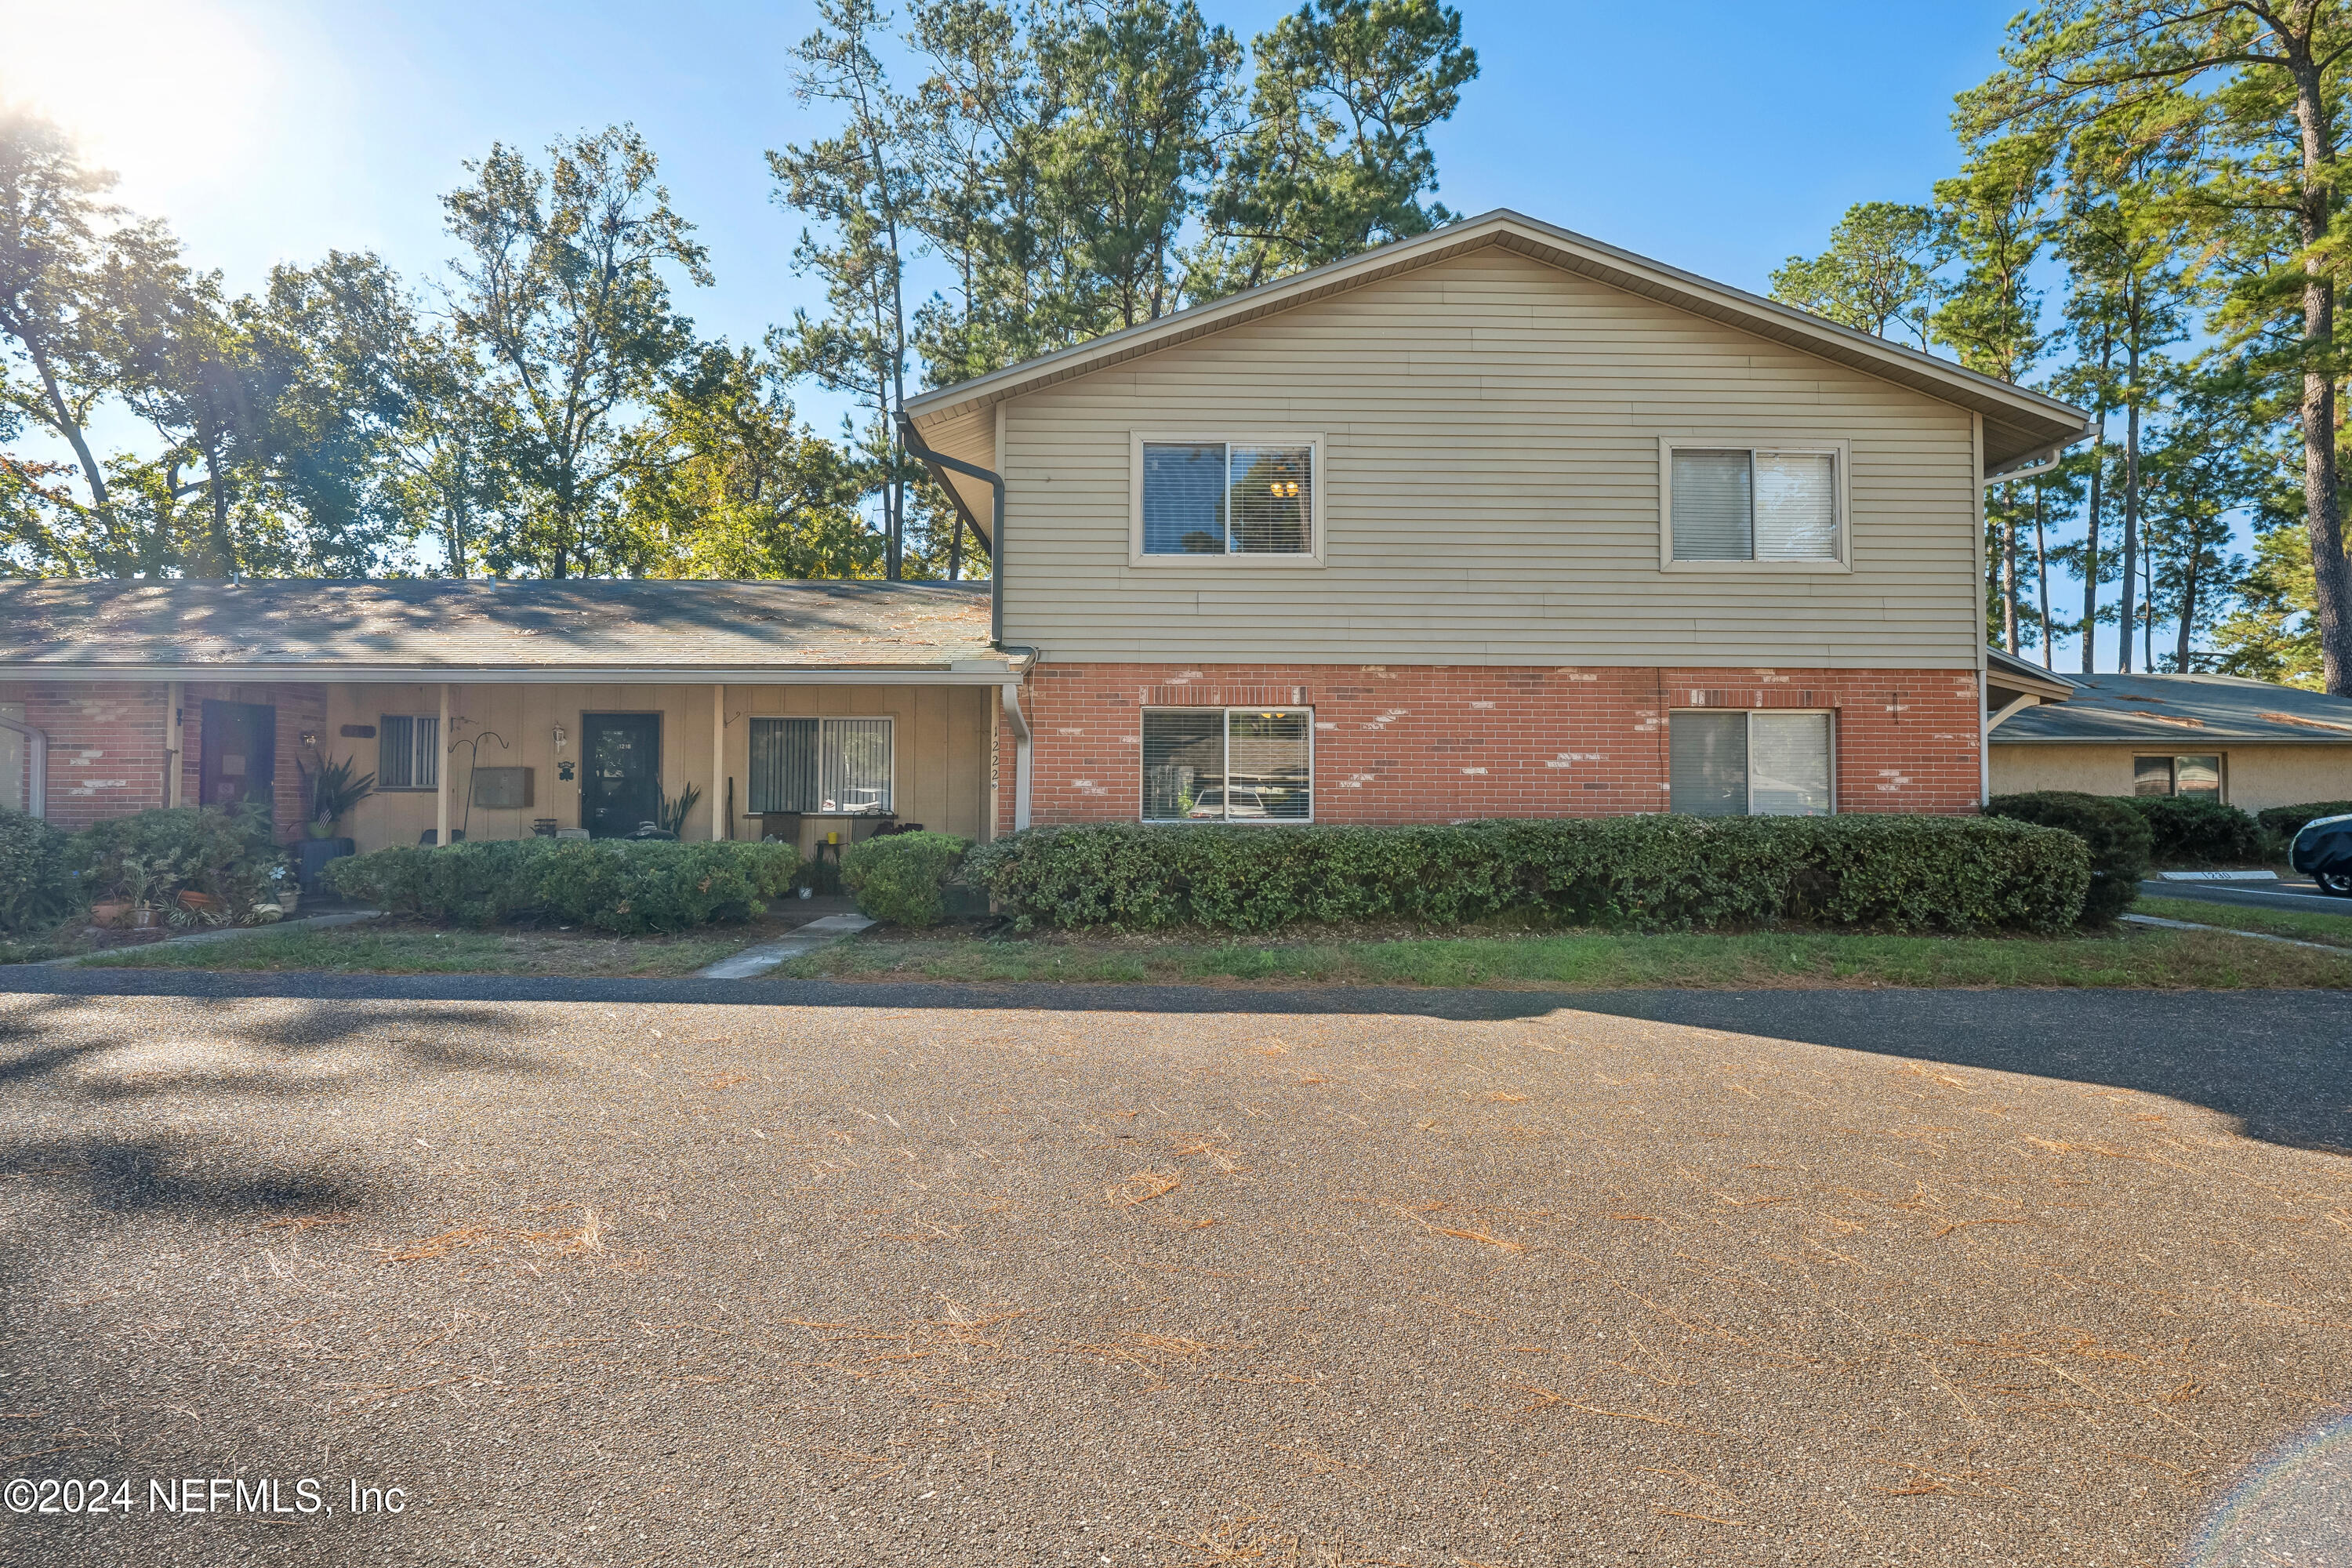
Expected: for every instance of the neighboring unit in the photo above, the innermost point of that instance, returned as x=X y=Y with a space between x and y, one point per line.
x=2224 y=738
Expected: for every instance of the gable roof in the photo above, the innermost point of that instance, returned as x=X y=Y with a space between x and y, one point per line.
x=477 y=630
x=2018 y=424
x=2182 y=712
x=2006 y=672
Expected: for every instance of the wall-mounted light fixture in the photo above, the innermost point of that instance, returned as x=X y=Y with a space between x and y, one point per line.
x=562 y=739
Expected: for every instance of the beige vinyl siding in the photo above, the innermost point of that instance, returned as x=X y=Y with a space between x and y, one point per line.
x=1491 y=477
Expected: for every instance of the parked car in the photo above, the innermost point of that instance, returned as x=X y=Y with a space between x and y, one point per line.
x=2322 y=850
x=1211 y=802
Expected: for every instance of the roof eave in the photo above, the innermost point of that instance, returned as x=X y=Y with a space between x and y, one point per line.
x=2020 y=423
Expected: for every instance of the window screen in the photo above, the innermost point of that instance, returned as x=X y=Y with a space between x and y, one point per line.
x=1183 y=499
x=1183 y=763
x=1708 y=763
x=1750 y=764
x=1796 y=506
x=408 y=752
x=1788 y=765
x=1228 y=765
x=1754 y=506
x=821 y=765
x=1209 y=498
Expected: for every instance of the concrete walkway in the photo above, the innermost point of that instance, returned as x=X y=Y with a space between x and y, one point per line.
x=758 y=960
x=2227 y=930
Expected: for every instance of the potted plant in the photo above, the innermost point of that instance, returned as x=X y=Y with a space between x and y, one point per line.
x=333 y=789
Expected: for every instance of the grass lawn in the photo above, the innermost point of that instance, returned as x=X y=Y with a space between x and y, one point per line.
x=2334 y=930
x=387 y=947
x=1597 y=960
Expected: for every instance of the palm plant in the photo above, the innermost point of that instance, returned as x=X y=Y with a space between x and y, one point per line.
x=672 y=816
x=335 y=788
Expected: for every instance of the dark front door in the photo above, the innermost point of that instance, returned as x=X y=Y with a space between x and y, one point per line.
x=620 y=789
x=239 y=756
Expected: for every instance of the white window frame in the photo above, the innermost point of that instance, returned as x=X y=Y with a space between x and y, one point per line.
x=440 y=758
x=1317 y=486
x=824 y=719
x=1227 y=712
x=1748 y=782
x=1811 y=445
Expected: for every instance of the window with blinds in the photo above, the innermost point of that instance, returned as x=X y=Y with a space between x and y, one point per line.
x=408 y=750
x=822 y=765
x=1741 y=763
x=1751 y=504
x=1228 y=497
x=1228 y=765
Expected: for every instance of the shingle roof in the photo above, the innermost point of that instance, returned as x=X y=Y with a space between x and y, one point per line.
x=694 y=629
x=2182 y=711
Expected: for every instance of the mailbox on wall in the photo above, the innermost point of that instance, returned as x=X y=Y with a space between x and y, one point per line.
x=502 y=789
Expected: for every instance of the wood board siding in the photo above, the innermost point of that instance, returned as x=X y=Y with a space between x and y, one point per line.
x=1491 y=430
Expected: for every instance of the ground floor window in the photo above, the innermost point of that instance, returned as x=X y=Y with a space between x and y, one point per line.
x=1751 y=764
x=1228 y=765
x=408 y=752
x=2196 y=775
x=822 y=765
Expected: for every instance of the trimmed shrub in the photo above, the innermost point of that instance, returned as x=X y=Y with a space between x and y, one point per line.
x=605 y=884
x=2283 y=822
x=2186 y=830
x=903 y=878
x=1640 y=873
x=2116 y=836
x=36 y=882
x=231 y=856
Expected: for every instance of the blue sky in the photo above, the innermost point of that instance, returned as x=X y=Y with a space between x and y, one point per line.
x=1718 y=137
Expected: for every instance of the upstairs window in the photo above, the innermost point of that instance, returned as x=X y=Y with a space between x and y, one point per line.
x=822 y=767
x=1227 y=498
x=408 y=752
x=1749 y=764
x=1755 y=504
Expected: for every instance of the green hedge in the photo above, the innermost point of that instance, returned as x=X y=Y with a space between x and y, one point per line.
x=1642 y=873
x=605 y=884
x=36 y=882
x=2283 y=822
x=229 y=854
x=2186 y=830
x=2117 y=836
x=902 y=878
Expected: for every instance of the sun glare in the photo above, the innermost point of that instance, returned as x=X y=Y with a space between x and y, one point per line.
x=166 y=92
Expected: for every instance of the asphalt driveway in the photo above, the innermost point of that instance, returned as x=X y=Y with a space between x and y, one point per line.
x=925 y=1275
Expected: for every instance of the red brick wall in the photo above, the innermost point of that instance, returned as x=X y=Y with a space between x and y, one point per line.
x=1444 y=743
x=107 y=743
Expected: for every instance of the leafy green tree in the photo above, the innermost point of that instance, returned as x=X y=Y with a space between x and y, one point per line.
x=2255 y=87
x=725 y=481
x=2272 y=633
x=1878 y=274
x=562 y=289
x=861 y=184
x=1335 y=158
x=2210 y=463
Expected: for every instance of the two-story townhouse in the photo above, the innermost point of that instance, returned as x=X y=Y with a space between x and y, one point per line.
x=1497 y=522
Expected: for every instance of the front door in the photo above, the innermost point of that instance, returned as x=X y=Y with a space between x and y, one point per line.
x=239 y=759
x=620 y=787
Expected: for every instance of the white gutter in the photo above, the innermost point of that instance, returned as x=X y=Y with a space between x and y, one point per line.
x=1012 y=690
x=36 y=767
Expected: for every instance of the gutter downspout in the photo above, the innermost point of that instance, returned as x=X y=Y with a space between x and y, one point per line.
x=1012 y=693
x=37 y=767
x=936 y=461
